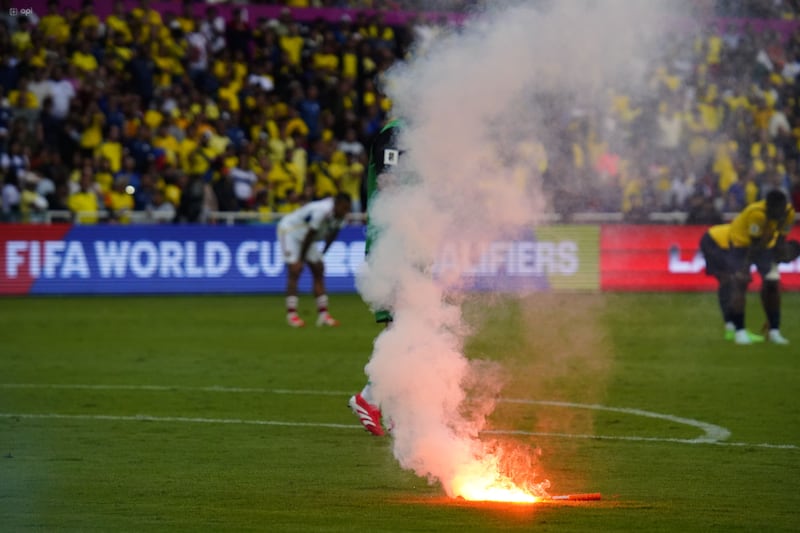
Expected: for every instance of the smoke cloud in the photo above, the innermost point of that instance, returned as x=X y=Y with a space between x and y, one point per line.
x=478 y=105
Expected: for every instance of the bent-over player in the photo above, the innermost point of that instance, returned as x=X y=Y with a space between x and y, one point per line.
x=298 y=233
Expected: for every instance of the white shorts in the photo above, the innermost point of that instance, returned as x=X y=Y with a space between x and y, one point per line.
x=291 y=250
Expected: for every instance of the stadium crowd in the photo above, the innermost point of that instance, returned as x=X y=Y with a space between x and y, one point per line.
x=178 y=115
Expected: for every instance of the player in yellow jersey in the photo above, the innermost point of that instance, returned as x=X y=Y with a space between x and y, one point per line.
x=757 y=236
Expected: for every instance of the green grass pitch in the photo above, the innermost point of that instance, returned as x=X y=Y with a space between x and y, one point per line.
x=210 y=414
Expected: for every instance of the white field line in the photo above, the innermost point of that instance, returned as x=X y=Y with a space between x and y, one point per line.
x=182 y=419
x=167 y=388
x=712 y=434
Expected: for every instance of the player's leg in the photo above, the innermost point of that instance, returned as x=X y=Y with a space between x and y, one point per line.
x=385 y=318
x=716 y=266
x=737 y=272
x=771 y=297
x=317 y=266
x=367 y=411
x=294 y=267
x=724 y=293
x=363 y=404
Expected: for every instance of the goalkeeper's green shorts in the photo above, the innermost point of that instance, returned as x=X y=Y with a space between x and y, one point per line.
x=383 y=316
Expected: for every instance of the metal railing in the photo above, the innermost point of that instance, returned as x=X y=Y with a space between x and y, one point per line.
x=231 y=218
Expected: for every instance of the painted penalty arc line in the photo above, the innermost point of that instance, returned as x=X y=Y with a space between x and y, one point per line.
x=713 y=434
x=239 y=421
x=169 y=388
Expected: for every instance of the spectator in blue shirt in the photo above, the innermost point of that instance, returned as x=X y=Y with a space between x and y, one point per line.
x=310 y=111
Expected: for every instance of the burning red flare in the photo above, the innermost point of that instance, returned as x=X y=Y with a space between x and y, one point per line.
x=483 y=480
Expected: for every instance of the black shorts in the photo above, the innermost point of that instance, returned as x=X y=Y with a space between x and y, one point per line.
x=721 y=261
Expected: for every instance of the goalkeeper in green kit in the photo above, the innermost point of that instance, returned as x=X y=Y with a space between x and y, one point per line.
x=384 y=154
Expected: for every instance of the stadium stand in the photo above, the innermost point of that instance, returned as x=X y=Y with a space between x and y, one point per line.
x=181 y=114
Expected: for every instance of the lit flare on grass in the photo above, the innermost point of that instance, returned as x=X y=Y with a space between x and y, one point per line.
x=493 y=490
x=483 y=481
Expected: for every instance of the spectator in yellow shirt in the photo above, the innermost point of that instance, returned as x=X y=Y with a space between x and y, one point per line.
x=761 y=151
x=377 y=31
x=262 y=206
x=713 y=51
x=326 y=174
x=22 y=98
x=53 y=25
x=351 y=180
x=285 y=185
x=118 y=52
x=172 y=192
x=83 y=58
x=92 y=135
x=203 y=158
x=725 y=155
x=84 y=203
x=146 y=14
x=21 y=39
x=153 y=117
x=186 y=148
x=350 y=59
x=711 y=113
x=229 y=92
x=167 y=142
x=86 y=18
x=111 y=149
x=326 y=59
x=117 y=22
x=168 y=66
x=187 y=19
x=292 y=44
x=119 y=202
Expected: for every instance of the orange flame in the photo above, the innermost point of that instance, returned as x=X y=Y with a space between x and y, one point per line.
x=483 y=481
x=493 y=490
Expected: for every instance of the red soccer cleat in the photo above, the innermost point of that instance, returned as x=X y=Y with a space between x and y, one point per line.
x=369 y=415
x=294 y=320
x=325 y=319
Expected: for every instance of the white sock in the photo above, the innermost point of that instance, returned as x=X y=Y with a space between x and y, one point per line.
x=729 y=326
x=322 y=303
x=366 y=393
x=291 y=304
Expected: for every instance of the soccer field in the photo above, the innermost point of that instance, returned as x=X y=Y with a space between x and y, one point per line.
x=209 y=414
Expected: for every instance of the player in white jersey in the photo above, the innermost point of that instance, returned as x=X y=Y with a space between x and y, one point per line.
x=298 y=233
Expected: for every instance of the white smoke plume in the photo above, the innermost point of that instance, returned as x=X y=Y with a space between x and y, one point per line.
x=474 y=114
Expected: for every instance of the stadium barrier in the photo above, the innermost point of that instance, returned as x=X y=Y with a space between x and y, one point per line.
x=140 y=259
x=248 y=217
x=674 y=17
x=646 y=258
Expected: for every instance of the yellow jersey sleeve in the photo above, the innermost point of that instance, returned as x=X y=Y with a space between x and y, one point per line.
x=721 y=235
x=782 y=228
